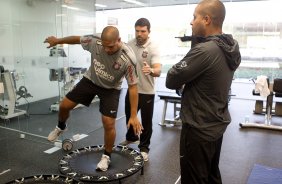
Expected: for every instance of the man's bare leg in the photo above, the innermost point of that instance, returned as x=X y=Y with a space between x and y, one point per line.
x=109 y=140
x=66 y=106
x=109 y=132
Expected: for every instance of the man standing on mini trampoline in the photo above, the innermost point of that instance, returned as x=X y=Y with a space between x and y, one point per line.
x=112 y=60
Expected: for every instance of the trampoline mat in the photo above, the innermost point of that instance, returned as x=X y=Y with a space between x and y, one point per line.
x=81 y=164
x=44 y=179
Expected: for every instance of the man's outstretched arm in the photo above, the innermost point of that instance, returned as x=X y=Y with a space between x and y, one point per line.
x=53 y=41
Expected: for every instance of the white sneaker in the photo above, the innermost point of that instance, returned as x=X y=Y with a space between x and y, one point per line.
x=104 y=163
x=53 y=136
x=126 y=142
x=145 y=156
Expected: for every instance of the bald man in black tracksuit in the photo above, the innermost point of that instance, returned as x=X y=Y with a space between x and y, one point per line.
x=206 y=73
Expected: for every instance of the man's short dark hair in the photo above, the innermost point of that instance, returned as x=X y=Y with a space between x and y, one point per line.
x=143 y=22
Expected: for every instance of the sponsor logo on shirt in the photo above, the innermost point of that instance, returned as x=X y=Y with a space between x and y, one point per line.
x=99 y=69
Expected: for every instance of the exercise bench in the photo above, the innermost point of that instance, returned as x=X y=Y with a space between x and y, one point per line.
x=176 y=101
x=277 y=92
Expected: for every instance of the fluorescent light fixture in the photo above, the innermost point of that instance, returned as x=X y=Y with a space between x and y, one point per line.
x=100 y=5
x=73 y=8
x=135 y=2
x=70 y=7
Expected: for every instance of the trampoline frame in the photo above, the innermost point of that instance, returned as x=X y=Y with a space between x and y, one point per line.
x=102 y=177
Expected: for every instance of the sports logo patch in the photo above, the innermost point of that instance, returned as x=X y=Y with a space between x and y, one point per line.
x=183 y=64
x=144 y=54
x=116 y=65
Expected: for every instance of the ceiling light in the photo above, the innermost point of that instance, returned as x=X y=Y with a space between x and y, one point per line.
x=100 y=5
x=70 y=7
x=135 y=2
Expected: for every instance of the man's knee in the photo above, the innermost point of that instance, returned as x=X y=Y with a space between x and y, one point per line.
x=108 y=123
x=67 y=104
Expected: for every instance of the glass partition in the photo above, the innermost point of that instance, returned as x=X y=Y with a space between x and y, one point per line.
x=35 y=78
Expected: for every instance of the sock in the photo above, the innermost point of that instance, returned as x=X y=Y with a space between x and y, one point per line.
x=107 y=153
x=62 y=125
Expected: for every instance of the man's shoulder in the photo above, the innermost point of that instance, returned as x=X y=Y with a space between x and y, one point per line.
x=208 y=49
x=132 y=42
x=127 y=53
x=152 y=45
x=91 y=36
x=126 y=48
x=205 y=46
x=90 y=39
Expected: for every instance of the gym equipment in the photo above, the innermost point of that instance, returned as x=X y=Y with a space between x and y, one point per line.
x=259 y=104
x=176 y=101
x=10 y=95
x=67 y=144
x=23 y=93
x=69 y=77
x=57 y=51
x=58 y=179
x=81 y=164
x=185 y=38
x=194 y=39
x=277 y=92
x=277 y=88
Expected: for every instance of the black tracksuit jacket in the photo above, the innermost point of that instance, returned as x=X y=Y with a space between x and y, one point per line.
x=206 y=73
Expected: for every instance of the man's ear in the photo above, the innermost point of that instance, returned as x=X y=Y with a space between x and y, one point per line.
x=207 y=19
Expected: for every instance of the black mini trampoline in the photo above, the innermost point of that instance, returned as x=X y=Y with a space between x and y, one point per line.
x=81 y=164
x=44 y=179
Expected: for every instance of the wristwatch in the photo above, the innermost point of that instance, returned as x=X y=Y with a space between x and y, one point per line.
x=151 y=70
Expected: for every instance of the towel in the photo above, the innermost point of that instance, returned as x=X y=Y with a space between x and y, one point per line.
x=261 y=86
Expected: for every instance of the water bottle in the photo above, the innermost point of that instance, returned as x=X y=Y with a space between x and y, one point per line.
x=247 y=119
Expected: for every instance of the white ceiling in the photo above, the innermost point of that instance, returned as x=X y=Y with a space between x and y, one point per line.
x=120 y=4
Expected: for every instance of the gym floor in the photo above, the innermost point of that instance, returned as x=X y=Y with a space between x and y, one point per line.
x=241 y=149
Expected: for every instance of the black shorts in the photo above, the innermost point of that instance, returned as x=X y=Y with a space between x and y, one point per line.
x=85 y=91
